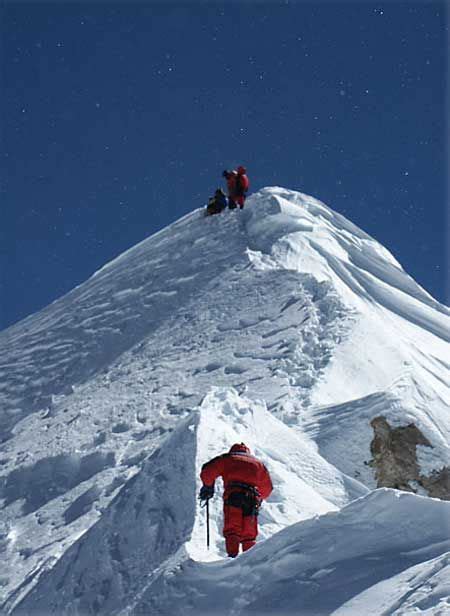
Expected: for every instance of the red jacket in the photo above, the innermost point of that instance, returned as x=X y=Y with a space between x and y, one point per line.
x=238 y=466
x=237 y=182
x=241 y=184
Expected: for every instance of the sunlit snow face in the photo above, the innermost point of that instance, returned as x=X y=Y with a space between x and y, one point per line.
x=12 y=535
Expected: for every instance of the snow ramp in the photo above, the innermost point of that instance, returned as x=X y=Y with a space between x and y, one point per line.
x=145 y=524
x=305 y=484
x=385 y=553
x=155 y=521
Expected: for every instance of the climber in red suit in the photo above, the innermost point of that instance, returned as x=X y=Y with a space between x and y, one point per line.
x=246 y=484
x=238 y=185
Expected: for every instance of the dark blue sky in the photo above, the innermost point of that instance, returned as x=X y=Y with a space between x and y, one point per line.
x=119 y=118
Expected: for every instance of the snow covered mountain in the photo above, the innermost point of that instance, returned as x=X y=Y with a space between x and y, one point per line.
x=282 y=325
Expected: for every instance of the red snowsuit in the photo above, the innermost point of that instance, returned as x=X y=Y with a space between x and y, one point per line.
x=231 y=183
x=247 y=482
x=242 y=185
x=237 y=184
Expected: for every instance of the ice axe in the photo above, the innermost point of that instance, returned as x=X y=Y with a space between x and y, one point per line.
x=207 y=524
x=205 y=503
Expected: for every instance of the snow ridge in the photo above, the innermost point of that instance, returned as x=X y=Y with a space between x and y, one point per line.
x=283 y=325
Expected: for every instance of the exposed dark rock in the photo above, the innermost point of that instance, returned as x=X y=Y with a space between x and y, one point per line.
x=438 y=484
x=395 y=460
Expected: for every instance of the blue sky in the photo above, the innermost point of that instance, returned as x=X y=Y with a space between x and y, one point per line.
x=119 y=118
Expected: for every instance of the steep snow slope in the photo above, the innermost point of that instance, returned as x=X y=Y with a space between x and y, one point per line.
x=394 y=359
x=225 y=417
x=338 y=563
x=156 y=515
x=307 y=317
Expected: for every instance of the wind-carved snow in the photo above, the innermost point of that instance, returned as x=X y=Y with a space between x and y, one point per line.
x=305 y=327
x=226 y=418
x=147 y=522
x=393 y=359
x=156 y=517
x=330 y=564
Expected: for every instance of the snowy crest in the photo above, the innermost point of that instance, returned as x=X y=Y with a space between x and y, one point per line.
x=304 y=483
x=283 y=326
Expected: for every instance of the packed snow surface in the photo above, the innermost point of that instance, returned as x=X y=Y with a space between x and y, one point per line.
x=282 y=325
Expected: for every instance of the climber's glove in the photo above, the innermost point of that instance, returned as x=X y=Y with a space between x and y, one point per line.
x=206 y=492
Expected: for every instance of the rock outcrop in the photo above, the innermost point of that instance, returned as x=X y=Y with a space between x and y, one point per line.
x=395 y=461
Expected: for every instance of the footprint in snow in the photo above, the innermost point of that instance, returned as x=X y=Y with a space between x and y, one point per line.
x=122 y=426
x=235 y=369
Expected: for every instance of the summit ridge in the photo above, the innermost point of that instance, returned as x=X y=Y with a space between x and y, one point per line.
x=283 y=324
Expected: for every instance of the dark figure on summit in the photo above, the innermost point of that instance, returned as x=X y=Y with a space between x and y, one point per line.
x=237 y=183
x=217 y=203
x=246 y=484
